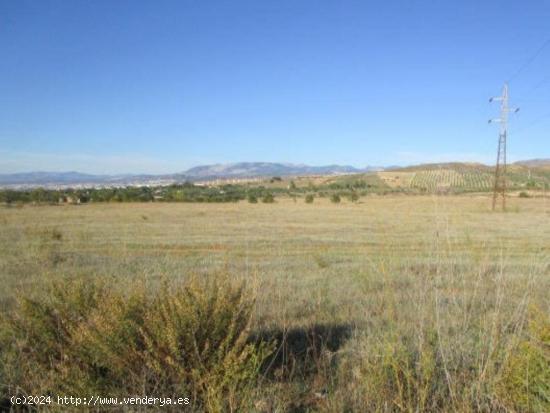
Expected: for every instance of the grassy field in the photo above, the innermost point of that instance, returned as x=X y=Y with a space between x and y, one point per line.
x=401 y=303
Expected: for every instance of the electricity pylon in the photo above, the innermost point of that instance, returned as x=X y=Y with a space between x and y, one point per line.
x=500 y=170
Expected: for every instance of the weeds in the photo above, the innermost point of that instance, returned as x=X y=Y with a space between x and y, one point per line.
x=89 y=336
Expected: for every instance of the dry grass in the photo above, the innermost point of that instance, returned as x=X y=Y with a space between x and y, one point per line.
x=397 y=303
x=397 y=179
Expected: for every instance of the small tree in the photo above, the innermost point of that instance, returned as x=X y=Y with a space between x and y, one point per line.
x=335 y=198
x=268 y=198
x=354 y=197
x=252 y=199
x=309 y=198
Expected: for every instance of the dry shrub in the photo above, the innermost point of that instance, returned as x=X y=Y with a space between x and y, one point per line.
x=524 y=385
x=90 y=337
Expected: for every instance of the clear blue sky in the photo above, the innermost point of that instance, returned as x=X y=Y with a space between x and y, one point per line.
x=160 y=86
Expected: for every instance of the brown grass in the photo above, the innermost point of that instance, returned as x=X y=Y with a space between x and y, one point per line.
x=431 y=298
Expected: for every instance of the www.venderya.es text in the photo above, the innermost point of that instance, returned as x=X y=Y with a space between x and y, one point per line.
x=98 y=401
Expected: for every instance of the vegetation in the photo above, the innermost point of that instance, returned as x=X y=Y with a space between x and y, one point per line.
x=88 y=336
x=335 y=198
x=416 y=304
x=428 y=179
x=268 y=198
x=309 y=199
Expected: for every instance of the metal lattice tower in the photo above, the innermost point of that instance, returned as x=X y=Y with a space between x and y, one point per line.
x=500 y=170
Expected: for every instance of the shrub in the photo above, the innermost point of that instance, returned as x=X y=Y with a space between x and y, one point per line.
x=354 y=197
x=524 y=194
x=524 y=384
x=268 y=198
x=335 y=198
x=309 y=198
x=252 y=199
x=189 y=340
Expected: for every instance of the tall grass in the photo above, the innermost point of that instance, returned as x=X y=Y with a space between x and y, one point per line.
x=451 y=343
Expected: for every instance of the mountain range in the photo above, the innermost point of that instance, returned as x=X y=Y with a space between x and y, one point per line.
x=242 y=170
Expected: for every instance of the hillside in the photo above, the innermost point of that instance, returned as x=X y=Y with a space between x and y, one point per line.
x=465 y=177
x=535 y=163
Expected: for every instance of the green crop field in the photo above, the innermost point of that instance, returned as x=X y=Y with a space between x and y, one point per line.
x=434 y=179
x=462 y=177
x=397 y=303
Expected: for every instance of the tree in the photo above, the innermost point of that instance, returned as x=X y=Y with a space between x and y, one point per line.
x=309 y=198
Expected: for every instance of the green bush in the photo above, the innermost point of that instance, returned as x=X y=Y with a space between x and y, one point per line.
x=335 y=198
x=354 y=197
x=309 y=198
x=252 y=199
x=524 y=194
x=268 y=198
x=83 y=337
x=524 y=383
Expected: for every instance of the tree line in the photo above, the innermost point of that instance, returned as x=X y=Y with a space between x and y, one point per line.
x=186 y=192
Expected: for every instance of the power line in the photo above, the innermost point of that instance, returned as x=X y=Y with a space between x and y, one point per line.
x=538 y=85
x=529 y=61
x=533 y=123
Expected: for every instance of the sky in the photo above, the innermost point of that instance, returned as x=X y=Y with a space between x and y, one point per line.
x=161 y=86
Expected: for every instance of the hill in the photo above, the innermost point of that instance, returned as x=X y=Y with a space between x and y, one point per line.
x=534 y=163
x=465 y=177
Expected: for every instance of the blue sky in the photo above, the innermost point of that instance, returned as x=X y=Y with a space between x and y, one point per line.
x=160 y=86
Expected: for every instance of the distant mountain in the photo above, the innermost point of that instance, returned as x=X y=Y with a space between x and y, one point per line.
x=534 y=163
x=49 y=177
x=259 y=169
x=76 y=179
x=199 y=173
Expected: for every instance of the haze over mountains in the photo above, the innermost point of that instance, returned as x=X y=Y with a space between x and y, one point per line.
x=242 y=170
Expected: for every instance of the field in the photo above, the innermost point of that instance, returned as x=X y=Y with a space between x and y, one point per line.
x=463 y=177
x=398 y=303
